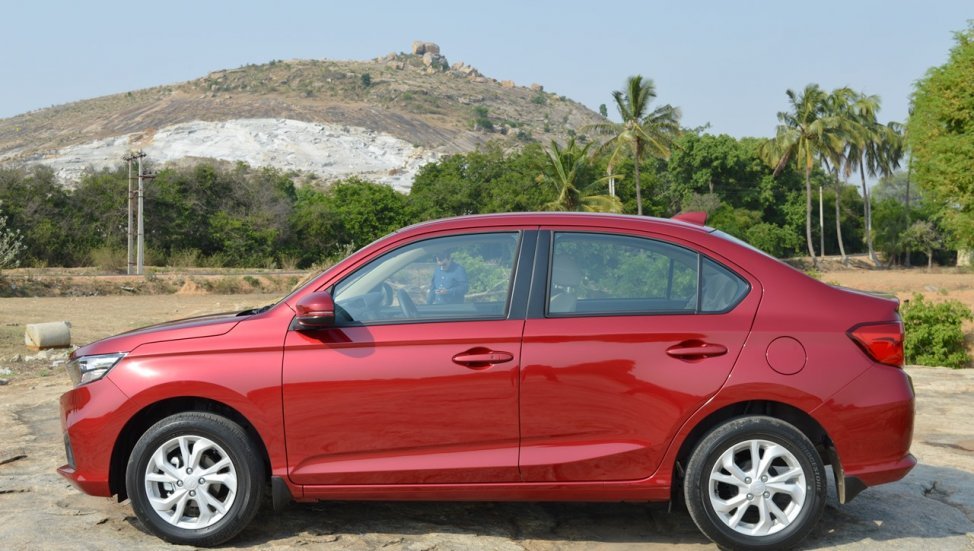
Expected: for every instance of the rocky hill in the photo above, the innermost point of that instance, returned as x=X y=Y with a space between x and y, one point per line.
x=381 y=118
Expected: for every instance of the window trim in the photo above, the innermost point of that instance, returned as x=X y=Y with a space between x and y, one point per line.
x=545 y=300
x=520 y=248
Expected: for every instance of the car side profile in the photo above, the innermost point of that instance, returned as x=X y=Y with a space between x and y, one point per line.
x=534 y=356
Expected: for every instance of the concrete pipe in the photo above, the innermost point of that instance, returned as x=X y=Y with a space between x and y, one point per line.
x=55 y=334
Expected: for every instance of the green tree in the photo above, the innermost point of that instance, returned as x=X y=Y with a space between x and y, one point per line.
x=366 y=210
x=804 y=133
x=922 y=236
x=641 y=130
x=11 y=244
x=940 y=132
x=569 y=172
x=489 y=179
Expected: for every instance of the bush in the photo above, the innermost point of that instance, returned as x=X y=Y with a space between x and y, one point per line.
x=110 y=259
x=934 y=335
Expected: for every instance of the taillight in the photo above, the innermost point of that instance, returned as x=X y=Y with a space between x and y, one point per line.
x=883 y=342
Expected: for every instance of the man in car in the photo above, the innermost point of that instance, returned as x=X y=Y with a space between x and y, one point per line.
x=449 y=283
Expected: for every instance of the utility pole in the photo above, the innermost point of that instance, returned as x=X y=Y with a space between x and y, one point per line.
x=136 y=196
x=129 y=233
x=141 y=253
x=132 y=266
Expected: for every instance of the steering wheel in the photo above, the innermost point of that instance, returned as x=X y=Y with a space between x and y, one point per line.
x=406 y=304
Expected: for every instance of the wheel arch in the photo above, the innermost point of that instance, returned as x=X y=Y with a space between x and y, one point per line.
x=801 y=420
x=155 y=412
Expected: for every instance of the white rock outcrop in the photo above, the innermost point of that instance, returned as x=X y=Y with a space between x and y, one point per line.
x=331 y=151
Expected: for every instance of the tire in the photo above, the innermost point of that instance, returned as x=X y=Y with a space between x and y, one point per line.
x=168 y=497
x=728 y=498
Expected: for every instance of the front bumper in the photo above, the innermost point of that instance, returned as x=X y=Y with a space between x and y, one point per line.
x=91 y=422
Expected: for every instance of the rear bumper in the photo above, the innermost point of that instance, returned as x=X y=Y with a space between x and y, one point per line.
x=870 y=422
x=91 y=423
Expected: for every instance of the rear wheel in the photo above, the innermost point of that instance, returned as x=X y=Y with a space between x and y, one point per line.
x=755 y=483
x=195 y=478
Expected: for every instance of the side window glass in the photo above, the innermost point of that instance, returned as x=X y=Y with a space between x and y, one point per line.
x=721 y=289
x=446 y=278
x=615 y=274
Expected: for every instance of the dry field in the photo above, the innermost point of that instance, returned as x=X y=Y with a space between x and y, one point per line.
x=933 y=508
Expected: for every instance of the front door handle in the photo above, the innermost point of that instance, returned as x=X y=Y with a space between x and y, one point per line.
x=696 y=350
x=482 y=357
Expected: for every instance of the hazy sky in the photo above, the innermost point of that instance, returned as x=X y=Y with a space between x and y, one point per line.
x=726 y=63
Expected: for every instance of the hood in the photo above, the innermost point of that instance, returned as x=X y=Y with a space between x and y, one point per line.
x=190 y=328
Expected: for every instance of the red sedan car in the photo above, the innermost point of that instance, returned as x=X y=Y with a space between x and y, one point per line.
x=508 y=357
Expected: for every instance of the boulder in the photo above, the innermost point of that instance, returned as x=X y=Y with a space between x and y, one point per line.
x=507 y=83
x=537 y=87
x=420 y=48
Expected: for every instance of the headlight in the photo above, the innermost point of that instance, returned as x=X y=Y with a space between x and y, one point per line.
x=87 y=369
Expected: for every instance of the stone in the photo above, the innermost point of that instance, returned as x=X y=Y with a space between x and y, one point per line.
x=537 y=87
x=421 y=48
x=507 y=84
x=428 y=58
x=478 y=79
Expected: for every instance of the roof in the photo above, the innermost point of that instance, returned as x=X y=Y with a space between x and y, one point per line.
x=555 y=218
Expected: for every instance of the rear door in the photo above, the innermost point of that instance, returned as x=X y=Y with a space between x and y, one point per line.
x=626 y=335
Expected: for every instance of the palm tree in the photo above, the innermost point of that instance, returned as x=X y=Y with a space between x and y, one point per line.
x=640 y=130
x=863 y=153
x=878 y=151
x=803 y=133
x=837 y=144
x=568 y=166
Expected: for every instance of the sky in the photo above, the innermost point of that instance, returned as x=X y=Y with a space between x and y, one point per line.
x=724 y=63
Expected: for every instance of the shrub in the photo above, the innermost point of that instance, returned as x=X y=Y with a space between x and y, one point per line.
x=110 y=259
x=934 y=335
x=185 y=258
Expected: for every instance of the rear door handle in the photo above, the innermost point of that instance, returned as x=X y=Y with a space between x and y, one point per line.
x=696 y=350
x=482 y=357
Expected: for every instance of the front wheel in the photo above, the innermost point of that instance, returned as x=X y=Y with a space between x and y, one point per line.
x=195 y=478
x=755 y=482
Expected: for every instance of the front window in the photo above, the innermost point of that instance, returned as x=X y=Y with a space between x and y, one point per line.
x=448 y=278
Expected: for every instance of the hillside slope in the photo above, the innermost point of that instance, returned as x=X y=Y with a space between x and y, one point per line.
x=393 y=113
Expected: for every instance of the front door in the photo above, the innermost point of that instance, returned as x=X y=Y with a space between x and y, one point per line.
x=417 y=383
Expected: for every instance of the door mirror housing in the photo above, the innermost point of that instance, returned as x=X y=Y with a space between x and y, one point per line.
x=316 y=311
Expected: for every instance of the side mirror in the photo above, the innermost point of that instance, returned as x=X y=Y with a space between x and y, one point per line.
x=316 y=311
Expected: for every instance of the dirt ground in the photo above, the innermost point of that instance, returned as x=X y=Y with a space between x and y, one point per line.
x=932 y=508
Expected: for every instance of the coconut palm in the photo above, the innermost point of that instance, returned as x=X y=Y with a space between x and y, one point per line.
x=862 y=155
x=567 y=167
x=835 y=154
x=805 y=131
x=641 y=130
x=878 y=151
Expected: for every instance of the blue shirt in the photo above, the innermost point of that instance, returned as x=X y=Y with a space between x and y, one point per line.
x=453 y=279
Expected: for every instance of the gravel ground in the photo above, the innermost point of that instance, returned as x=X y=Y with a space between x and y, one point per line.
x=932 y=508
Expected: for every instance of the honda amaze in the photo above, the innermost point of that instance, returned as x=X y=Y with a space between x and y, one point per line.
x=536 y=357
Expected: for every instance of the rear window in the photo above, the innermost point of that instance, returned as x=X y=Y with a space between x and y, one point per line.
x=605 y=274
